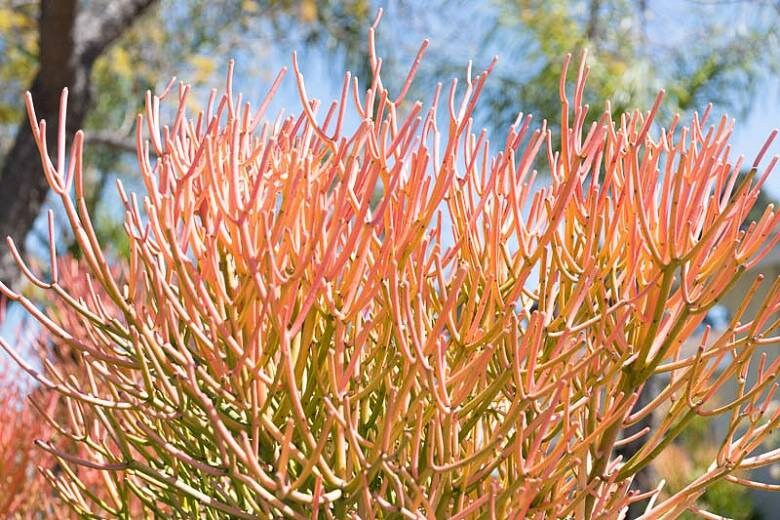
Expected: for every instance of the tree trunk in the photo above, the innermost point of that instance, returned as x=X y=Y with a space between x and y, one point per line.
x=593 y=27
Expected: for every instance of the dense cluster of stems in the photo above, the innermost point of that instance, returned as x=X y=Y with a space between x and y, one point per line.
x=395 y=319
x=18 y=425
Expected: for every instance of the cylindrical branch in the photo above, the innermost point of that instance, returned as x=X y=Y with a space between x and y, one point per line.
x=282 y=340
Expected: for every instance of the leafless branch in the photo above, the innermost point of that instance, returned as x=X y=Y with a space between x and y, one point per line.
x=118 y=142
x=100 y=30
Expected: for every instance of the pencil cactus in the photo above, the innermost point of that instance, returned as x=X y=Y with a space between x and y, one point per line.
x=18 y=425
x=280 y=342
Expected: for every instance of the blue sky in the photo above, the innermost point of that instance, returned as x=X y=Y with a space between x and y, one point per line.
x=456 y=34
x=674 y=21
x=750 y=134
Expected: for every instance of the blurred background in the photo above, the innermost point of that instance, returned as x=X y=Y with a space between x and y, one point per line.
x=109 y=53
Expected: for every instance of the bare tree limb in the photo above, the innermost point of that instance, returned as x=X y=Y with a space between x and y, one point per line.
x=100 y=30
x=117 y=142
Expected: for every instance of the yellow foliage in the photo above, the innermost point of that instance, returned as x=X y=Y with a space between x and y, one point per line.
x=12 y=19
x=203 y=67
x=308 y=11
x=249 y=6
x=120 y=62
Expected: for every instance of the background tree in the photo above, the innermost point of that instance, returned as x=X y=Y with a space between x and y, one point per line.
x=121 y=48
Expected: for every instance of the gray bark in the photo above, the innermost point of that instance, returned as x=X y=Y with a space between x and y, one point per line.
x=592 y=29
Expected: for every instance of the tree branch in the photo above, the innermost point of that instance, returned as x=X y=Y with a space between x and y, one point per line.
x=101 y=30
x=118 y=142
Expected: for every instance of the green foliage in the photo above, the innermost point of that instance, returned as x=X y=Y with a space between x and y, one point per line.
x=18 y=48
x=713 y=59
x=697 y=444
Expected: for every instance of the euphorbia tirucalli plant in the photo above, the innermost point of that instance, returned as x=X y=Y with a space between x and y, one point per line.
x=283 y=343
x=26 y=472
x=18 y=425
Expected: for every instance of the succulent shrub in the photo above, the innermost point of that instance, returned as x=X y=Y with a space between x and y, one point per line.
x=18 y=456
x=24 y=490
x=394 y=320
x=26 y=473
